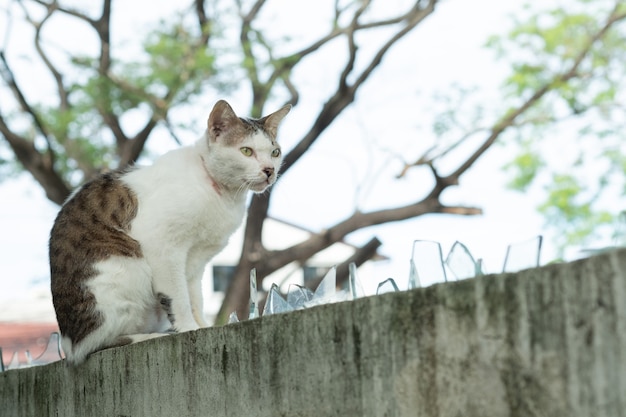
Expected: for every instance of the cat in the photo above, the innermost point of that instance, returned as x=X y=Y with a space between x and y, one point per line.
x=128 y=249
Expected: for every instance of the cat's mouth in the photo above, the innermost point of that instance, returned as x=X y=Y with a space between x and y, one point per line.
x=261 y=185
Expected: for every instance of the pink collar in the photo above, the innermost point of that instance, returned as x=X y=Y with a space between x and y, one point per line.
x=216 y=187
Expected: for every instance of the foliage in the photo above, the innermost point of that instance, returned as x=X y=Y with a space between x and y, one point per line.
x=98 y=95
x=572 y=142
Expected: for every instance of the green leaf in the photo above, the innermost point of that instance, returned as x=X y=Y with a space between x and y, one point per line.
x=524 y=167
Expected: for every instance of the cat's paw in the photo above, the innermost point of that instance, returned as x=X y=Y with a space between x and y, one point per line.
x=188 y=327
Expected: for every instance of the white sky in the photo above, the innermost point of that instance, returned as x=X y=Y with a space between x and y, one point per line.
x=320 y=190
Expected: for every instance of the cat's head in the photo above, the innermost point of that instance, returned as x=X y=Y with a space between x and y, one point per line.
x=243 y=153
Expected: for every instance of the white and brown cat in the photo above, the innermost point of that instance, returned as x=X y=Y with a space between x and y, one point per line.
x=128 y=249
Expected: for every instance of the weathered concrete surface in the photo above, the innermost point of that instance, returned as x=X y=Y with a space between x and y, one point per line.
x=546 y=342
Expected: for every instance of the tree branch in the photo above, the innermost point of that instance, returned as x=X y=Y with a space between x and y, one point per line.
x=358 y=258
x=428 y=159
x=62 y=92
x=9 y=79
x=565 y=76
x=102 y=28
x=133 y=147
x=250 y=60
x=71 y=12
x=40 y=166
x=304 y=250
x=416 y=16
x=203 y=22
x=290 y=61
x=344 y=95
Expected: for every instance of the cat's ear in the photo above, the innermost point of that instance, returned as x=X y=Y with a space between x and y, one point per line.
x=222 y=121
x=271 y=121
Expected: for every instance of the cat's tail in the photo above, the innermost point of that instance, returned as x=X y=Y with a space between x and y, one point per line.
x=75 y=354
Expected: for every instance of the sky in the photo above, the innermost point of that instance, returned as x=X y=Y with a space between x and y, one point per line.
x=345 y=169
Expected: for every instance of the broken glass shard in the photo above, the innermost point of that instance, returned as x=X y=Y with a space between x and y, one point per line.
x=298 y=296
x=356 y=289
x=232 y=318
x=326 y=290
x=428 y=260
x=254 y=296
x=29 y=359
x=14 y=363
x=480 y=267
x=461 y=262
x=52 y=352
x=328 y=286
x=523 y=255
x=388 y=285
x=414 y=279
x=275 y=302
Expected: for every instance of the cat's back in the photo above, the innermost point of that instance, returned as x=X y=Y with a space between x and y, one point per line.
x=92 y=226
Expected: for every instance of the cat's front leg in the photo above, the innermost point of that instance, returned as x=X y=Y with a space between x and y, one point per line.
x=197 y=302
x=196 y=263
x=170 y=284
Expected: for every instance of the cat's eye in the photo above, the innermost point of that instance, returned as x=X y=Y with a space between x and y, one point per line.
x=246 y=151
x=276 y=153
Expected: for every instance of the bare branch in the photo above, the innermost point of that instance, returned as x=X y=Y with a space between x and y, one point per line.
x=102 y=28
x=359 y=220
x=158 y=105
x=297 y=56
x=354 y=26
x=133 y=147
x=358 y=258
x=40 y=166
x=416 y=15
x=283 y=65
x=250 y=61
x=7 y=29
x=170 y=129
x=352 y=50
x=54 y=5
x=344 y=95
x=293 y=91
x=338 y=11
x=428 y=157
x=203 y=22
x=58 y=78
x=9 y=79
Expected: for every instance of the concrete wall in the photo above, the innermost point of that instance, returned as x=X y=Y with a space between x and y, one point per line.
x=545 y=342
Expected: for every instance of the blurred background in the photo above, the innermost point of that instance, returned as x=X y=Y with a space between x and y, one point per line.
x=484 y=122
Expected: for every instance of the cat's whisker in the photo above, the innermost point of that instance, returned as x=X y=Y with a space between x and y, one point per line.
x=243 y=189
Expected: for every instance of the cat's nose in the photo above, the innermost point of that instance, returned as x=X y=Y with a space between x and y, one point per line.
x=268 y=171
